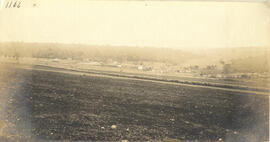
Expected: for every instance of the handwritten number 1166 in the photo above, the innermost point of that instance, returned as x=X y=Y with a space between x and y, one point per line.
x=10 y=4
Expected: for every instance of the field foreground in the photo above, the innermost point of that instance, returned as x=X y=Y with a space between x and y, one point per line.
x=40 y=105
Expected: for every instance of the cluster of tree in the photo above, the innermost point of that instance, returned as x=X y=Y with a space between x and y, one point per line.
x=251 y=64
x=256 y=64
x=97 y=53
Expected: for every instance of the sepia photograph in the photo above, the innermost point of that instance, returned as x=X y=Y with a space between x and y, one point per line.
x=134 y=70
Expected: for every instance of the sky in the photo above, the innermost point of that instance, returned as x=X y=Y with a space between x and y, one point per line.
x=176 y=24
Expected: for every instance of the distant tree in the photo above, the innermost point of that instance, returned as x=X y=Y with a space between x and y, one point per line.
x=211 y=67
x=195 y=67
x=226 y=68
x=16 y=56
x=221 y=62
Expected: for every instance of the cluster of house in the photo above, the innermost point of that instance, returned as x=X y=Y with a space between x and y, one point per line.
x=209 y=71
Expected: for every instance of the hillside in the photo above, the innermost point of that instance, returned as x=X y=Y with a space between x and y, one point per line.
x=98 y=53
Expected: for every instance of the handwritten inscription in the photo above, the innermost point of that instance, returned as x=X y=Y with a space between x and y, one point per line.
x=13 y=4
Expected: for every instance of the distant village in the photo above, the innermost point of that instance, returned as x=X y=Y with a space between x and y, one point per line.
x=220 y=70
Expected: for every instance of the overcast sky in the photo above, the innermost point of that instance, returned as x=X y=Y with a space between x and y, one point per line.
x=176 y=24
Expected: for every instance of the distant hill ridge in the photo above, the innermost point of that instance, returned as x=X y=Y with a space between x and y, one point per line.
x=242 y=59
x=80 y=51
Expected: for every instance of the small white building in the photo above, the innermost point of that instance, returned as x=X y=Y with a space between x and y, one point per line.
x=140 y=67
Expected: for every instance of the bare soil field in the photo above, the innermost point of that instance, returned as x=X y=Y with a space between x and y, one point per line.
x=40 y=105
